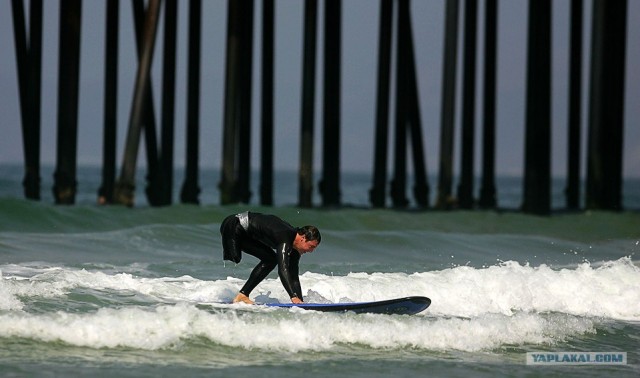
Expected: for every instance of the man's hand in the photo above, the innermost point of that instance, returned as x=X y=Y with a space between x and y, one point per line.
x=296 y=300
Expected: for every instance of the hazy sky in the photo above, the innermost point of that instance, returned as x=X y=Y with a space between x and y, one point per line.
x=359 y=58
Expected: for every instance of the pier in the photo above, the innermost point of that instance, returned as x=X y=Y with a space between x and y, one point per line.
x=465 y=90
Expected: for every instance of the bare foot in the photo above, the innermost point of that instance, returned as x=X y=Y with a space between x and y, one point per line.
x=242 y=298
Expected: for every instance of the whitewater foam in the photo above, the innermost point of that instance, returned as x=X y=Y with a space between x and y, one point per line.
x=472 y=309
x=171 y=326
x=609 y=290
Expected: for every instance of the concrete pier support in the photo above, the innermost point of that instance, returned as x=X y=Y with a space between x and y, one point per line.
x=488 y=186
x=28 y=45
x=330 y=182
x=377 y=194
x=65 y=184
x=465 y=188
x=445 y=199
x=606 y=105
x=305 y=174
x=190 y=188
x=164 y=176
x=572 y=191
x=537 y=171
x=105 y=193
x=266 y=168
x=407 y=117
x=125 y=187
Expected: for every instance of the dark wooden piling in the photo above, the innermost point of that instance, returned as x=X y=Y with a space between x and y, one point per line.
x=29 y=66
x=399 y=181
x=572 y=191
x=31 y=182
x=266 y=161
x=305 y=174
x=236 y=152
x=228 y=183
x=165 y=160
x=105 y=193
x=244 y=115
x=465 y=188
x=377 y=194
x=413 y=119
x=445 y=198
x=606 y=105
x=407 y=117
x=537 y=172
x=64 y=188
x=488 y=188
x=330 y=183
x=22 y=61
x=148 y=115
x=125 y=187
x=190 y=188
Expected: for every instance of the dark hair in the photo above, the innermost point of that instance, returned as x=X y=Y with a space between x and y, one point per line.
x=310 y=233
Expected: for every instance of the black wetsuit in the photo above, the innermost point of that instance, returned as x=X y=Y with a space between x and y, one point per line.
x=268 y=238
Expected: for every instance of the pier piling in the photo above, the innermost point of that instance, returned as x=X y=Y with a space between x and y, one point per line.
x=465 y=188
x=377 y=194
x=305 y=174
x=537 y=171
x=190 y=188
x=606 y=105
x=105 y=193
x=244 y=115
x=65 y=184
x=572 y=191
x=29 y=65
x=165 y=158
x=445 y=198
x=330 y=183
x=488 y=188
x=124 y=191
x=266 y=167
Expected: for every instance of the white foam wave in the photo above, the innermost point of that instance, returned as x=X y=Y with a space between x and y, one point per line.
x=169 y=326
x=609 y=290
x=472 y=309
x=52 y=282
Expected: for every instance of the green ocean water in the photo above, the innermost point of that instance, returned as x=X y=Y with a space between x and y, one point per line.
x=111 y=291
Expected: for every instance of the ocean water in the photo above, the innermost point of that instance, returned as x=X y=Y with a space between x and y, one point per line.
x=110 y=291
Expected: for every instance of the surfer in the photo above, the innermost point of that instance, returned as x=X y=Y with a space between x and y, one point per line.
x=273 y=241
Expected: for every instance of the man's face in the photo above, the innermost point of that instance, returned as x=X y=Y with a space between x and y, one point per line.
x=304 y=246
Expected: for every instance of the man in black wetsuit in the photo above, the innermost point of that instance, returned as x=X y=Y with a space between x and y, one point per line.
x=274 y=242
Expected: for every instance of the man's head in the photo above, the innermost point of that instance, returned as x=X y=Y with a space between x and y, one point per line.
x=307 y=239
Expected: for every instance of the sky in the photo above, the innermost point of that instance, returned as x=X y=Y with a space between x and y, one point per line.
x=358 y=88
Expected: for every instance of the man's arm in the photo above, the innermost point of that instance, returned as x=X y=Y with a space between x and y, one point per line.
x=294 y=264
x=288 y=271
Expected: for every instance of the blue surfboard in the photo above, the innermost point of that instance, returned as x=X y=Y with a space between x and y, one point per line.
x=398 y=306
